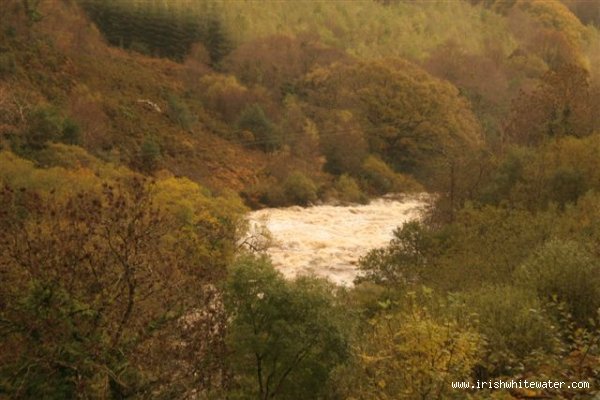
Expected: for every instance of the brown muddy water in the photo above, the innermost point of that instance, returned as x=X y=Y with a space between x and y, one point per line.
x=328 y=240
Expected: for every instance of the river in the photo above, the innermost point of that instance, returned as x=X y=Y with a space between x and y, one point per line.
x=328 y=240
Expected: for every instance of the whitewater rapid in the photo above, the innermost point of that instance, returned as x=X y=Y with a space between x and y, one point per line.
x=328 y=240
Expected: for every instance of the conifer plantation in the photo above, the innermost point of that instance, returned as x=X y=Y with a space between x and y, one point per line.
x=136 y=135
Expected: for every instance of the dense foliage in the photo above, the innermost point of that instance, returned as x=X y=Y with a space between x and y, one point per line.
x=131 y=130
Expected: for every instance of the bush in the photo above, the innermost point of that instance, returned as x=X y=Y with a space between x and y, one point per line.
x=71 y=132
x=382 y=179
x=296 y=188
x=266 y=192
x=45 y=124
x=150 y=154
x=566 y=186
x=180 y=113
x=66 y=156
x=404 y=260
x=253 y=119
x=565 y=271
x=299 y=189
x=514 y=324
x=506 y=175
x=273 y=194
x=409 y=355
x=224 y=95
x=8 y=64
x=347 y=190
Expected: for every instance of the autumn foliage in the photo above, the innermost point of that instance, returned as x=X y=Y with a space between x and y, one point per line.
x=134 y=135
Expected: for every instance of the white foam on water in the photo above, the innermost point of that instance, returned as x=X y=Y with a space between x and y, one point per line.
x=328 y=240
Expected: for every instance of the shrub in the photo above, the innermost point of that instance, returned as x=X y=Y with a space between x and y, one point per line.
x=514 y=324
x=224 y=95
x=273 y=195
x=45 y=124
x=409 y=355
x=268 y=191
x=8 y=64
x=65 y=156
x=348 y=190
x=71 y=132
x=382 y=179
x=150 y=154
x=565 y=271
x=253 y=119
x=566 y=186
x=299 y=189
x=296 y=188
x=404 y=260
x=507 y=175
x=180 y=113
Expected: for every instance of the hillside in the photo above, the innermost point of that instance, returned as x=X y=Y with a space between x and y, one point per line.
x=135 y=135
x=233 y=105
x=60 y=68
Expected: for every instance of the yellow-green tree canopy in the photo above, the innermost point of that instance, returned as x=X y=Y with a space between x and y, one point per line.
x=411 y=119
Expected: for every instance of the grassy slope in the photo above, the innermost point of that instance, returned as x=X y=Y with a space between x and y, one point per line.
x=63 y=61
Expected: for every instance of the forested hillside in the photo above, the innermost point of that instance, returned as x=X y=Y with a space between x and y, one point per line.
x=135 y=135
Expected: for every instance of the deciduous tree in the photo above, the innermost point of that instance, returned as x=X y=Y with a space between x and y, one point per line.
x=285 y=337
